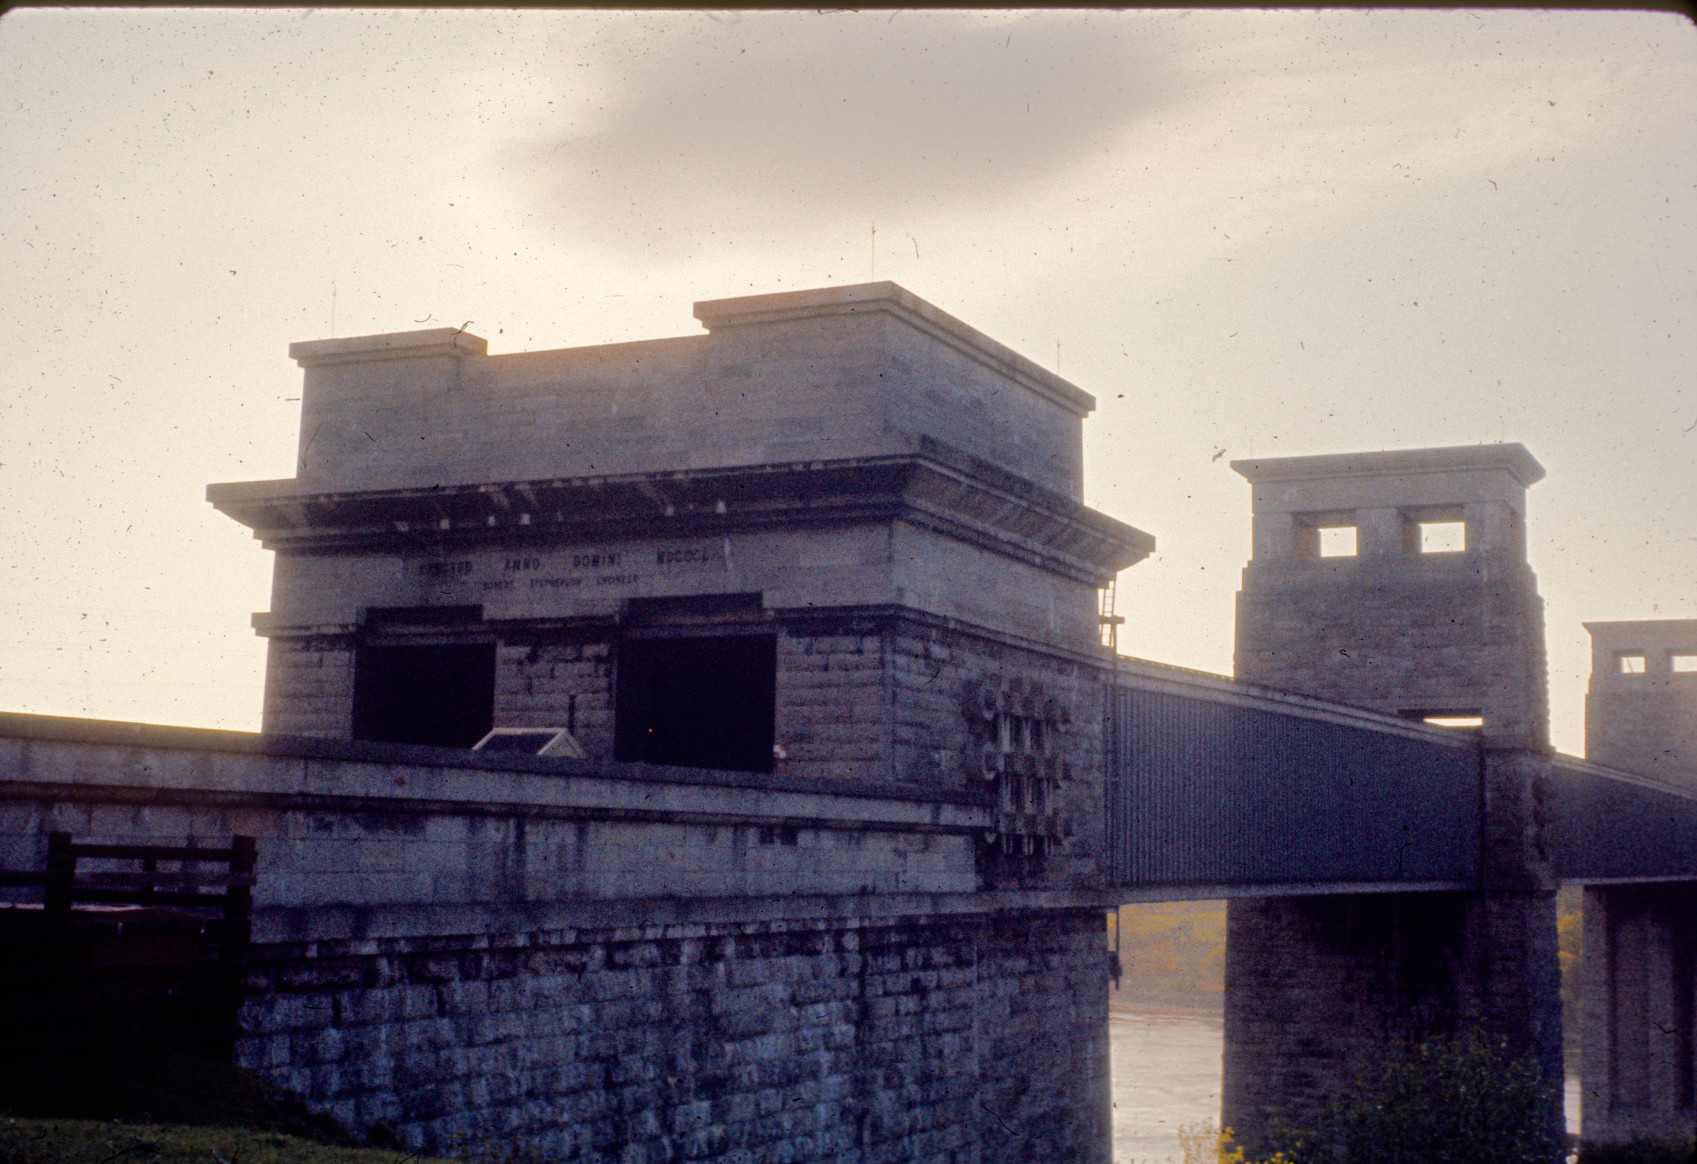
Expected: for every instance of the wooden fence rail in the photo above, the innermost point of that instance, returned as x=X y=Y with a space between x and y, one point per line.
x=172 y=971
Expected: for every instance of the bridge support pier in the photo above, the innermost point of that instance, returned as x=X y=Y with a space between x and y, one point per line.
x=1322 y=991
x=1636 y=1008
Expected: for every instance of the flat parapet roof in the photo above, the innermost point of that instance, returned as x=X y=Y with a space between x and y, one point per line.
x=896 y=300
x=1510 y=458
x=815 y=375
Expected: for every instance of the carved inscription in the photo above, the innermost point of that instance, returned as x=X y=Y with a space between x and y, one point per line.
x=542 y=572
x=685 y=555
x=438 y=569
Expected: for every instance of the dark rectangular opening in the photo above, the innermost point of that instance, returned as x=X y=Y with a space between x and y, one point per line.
x=697 y=702
x=689 y=608
x=441 y=694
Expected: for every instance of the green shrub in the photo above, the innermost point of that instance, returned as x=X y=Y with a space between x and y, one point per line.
x=29 y=1141
x=1451 y=1101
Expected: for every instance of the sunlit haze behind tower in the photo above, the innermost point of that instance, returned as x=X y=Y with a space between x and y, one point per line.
x=1248 y=234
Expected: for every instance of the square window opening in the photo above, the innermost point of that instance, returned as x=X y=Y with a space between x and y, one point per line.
x=442 y=695
x=1337 y=541
x=1443 y=537
x=1682 y=661
x=1630 y=662
x=697 y=702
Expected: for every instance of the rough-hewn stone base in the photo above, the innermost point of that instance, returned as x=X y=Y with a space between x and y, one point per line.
x=979 y=1037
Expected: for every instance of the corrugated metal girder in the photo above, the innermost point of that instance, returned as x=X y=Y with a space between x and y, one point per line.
x=1607 y=825
x=1212 y=791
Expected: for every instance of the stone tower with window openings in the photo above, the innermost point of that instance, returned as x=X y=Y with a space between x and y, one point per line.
x=837 y=537
x=1398 y=581
x=1641 y=709
x=1397 y=626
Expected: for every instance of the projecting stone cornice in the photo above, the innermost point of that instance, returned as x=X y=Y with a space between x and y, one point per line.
x=938 y=488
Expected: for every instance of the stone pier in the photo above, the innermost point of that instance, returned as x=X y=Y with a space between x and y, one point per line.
x=1638 y=978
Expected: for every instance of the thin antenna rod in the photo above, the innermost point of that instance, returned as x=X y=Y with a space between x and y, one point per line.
x=332 y=310
x=874 y=250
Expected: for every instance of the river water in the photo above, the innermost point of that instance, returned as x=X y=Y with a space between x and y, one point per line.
x=1166 y=1069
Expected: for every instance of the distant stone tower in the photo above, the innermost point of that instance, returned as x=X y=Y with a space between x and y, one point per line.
x=1638 y=983
x=1641 y=710
x=1397 y=581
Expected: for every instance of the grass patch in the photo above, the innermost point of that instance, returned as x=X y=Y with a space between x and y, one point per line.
x=122 y=1103
x=143 y=1085
x=68 y=1141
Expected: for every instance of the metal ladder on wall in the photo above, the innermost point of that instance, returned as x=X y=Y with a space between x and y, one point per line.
x=1108 y=624
x=1106 y=619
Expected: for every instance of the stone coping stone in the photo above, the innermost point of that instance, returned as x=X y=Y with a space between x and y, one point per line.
x=115 y=732
x=1512 y=458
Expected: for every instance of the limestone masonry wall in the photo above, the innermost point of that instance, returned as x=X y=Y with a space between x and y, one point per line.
x=309 y=685
x=1417 y=636
x=607 y=962
x=558 y=684
x=923 y=1038
x=869 y=695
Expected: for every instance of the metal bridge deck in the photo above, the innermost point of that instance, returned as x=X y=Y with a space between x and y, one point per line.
x=1222 y=789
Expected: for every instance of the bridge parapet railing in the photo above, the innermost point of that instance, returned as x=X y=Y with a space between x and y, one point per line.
x=360 y=838
x=1225 y=789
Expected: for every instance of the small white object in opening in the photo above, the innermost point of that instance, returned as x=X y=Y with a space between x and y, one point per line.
x=1443 y=537
x=542 y=741
x=1630 y=663
x=1337 y=541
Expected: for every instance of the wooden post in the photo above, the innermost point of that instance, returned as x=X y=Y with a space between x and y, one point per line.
x=238 y=899
x=61 y=872
x=232 y=951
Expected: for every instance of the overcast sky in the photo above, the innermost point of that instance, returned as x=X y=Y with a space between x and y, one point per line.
x=1247 y=233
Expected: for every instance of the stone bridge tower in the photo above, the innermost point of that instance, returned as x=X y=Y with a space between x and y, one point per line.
x=1397 y=581
x=833 y=546
x=837 y=537
x=1641 y=709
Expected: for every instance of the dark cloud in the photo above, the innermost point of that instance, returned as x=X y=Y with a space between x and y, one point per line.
x=768 y=125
